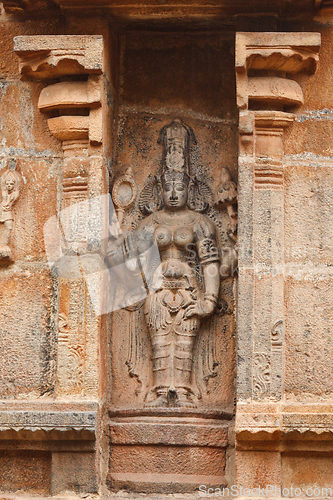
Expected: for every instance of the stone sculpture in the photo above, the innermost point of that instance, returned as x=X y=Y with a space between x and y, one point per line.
x=10 y=185
x=184 y=288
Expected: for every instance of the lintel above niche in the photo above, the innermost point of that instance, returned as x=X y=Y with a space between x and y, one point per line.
x=173 y=10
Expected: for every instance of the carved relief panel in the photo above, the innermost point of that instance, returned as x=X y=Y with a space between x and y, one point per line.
x=10 y=186
x=173 y=351
x=175 y=347
x=183 y=276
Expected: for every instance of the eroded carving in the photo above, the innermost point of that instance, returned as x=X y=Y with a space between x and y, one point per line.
x=262 y=374
x=71 y=359
x=124 y=192
x=277 y=335
x=187 y=282
x=10 y=185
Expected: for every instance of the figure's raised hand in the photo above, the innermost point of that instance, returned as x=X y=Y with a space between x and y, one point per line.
x=200 y=308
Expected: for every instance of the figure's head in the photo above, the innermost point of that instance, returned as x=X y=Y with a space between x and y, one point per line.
x=10 y=185
x=175 y=190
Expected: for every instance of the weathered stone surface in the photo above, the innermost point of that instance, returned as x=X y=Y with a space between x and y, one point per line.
x=314 y=469
x=32 y=346
x=59 y=55
x=265 y=469
x=308 y=338
x=152 y=10
x=155 y=80
x=25 y=132
x=25 y=471
x=75 y=472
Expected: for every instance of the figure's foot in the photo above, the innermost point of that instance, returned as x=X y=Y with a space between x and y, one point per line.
x=184 y=400
x=160 y=402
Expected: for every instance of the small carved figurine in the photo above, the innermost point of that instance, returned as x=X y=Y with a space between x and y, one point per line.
x=10 y=184
x=226 y=197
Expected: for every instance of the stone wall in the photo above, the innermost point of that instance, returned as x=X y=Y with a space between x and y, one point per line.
x=65 y=386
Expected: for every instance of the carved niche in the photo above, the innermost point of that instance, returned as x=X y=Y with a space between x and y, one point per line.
x=179 y=215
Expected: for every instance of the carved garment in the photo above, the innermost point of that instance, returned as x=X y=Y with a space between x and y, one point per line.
x=185 y=245
x=5 y=214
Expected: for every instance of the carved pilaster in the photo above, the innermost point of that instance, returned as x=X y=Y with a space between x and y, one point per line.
x=73 y=109
x=266 y=97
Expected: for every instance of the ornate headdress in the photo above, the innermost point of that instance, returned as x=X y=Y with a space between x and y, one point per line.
x=10 y=175
x=177 y=139
x=174 y=175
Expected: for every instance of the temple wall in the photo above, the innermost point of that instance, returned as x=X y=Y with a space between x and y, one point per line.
x=308 y=253
x=57 y=413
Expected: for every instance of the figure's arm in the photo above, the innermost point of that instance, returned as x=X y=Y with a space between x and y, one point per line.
x=210 y=262
x=129 y=246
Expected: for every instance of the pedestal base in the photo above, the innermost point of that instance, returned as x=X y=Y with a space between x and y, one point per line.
x=167 y=450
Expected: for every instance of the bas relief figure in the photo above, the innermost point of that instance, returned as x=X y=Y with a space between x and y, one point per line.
x=10 y=184
x=184 y=287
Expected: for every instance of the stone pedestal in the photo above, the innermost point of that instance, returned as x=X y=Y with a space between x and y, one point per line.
x=168 y=450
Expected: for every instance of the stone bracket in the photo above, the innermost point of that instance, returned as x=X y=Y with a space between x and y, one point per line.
x=280 y=54
x=54 y=56
x=46 y=57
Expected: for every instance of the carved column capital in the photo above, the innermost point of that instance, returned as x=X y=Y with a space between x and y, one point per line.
x=267 y=94
x=265 y=63
x=77 y=102
x=53 y=56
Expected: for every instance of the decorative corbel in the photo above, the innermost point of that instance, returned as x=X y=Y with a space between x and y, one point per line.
x=267 y=95
x=72 y=106
x=266 y=92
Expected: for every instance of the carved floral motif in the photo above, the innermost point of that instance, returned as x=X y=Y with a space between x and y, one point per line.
x=262 y=374
x=277 y=334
